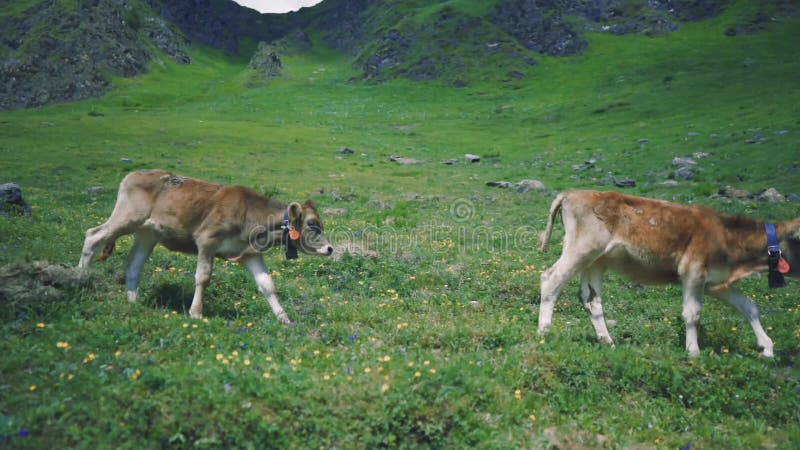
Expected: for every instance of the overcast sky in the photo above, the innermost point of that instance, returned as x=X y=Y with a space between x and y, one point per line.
x=276 y=6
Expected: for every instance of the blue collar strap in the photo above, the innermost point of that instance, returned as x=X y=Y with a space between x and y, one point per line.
x=774 y=256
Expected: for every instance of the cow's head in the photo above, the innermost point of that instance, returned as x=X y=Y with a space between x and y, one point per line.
x=311 y=238
x=791 y=248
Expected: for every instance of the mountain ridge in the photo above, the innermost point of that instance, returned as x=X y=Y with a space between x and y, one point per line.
x=60 y=51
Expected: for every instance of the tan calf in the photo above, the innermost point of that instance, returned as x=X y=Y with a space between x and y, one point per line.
x=658 y=242
x=206 y=219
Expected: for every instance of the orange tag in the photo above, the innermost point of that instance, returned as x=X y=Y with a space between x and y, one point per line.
x=783 y=266
x=295 y=235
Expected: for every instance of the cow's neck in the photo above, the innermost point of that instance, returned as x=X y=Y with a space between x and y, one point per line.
x=271 y=228
x=749 y=249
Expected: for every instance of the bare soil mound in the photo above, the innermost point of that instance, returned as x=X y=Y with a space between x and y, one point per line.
x=25 y=286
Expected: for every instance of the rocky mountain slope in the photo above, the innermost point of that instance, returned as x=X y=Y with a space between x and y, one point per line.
x=57 y=51
x=448 y=40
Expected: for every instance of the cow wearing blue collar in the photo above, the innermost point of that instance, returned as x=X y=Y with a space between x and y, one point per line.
x=659 y=242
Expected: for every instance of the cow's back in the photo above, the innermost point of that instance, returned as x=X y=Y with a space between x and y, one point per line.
x=646 y=239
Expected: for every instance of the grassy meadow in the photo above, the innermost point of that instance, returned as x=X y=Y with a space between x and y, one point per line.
x=431 y=343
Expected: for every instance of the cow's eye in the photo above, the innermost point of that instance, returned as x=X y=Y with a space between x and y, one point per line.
x=314 y=226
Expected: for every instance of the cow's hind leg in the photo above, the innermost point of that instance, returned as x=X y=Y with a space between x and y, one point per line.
x=591 y=281
x=555 y=278
x=143 y=244
x=750 y=312
x=692 y=304
x=264 y=282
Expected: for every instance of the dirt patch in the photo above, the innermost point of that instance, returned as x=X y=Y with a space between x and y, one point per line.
x=25 y=286
x=574 y=439
x=354 y=249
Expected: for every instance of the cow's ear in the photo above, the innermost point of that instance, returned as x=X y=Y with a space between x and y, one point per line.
x=295 y=212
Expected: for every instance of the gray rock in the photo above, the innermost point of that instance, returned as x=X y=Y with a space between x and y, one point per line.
x=529 y=186
x=692 y=134
x=125 y=160
x=538 y=29
x=670 y=183
x=586 y=165
x=683 y=173
x=449 y=162
x=625 y=182
x=757 y=139
x=266 y=62
x=344 y=151
x=11 y=201
x=403 y=160
x=172 y=44
x=732 y=192
x=472 y=158
x=643 y=141
x=679 y=161
x=771 y=195
x=500 y=184
x=793 y=198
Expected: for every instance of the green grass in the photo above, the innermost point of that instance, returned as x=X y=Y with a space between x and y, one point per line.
x=432 y=343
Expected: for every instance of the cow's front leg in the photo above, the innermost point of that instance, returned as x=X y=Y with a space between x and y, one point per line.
x=205 y=261
x=264 y=282
x=750 y=312
x=692 y=297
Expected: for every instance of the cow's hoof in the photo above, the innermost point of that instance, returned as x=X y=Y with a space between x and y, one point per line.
x=285 y=320
x=606 y=340
x=195 y=315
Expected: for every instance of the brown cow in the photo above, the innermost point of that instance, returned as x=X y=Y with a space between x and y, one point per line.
x=658 y=242
x=210 y=220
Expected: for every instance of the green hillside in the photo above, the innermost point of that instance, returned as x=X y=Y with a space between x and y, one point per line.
x=430 y=341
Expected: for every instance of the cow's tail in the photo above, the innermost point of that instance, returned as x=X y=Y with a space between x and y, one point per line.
x=555 y=207
x=107 y=250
